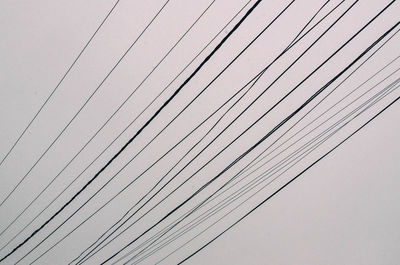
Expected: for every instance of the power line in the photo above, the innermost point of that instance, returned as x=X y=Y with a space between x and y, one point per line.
x=275 y=128
x=126 y=128
x=141 y=129
x=238 y=174
x=83 y=106
x=106 y=122
x=295 y=40
x=236 y=57
x=59 y=83
x=293 y=179
x=264 y=176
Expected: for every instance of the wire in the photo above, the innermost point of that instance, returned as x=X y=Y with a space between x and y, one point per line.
x=139 y=131
x=83 y=106
x=152 y=140
x=290 y=45
x=264 y=176
x=126 y=128
x=59 y=83
x=293 y=179
x=273 y=130
x=106 y=122
x=238 y=174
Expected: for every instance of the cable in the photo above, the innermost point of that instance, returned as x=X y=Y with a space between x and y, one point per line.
x=140 y=130
x=273 y=130
x=106 y=122
x=126 y=128
x=207 y=200
x=59 y=83
x=262 y=177
x=293 y=179
x=290 y=45
x=309 y=123
x=151 y=141
x=83 y=106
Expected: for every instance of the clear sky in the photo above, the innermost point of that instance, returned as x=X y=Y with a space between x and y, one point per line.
x=344 y=210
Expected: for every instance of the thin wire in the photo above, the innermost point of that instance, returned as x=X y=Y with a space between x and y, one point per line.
x=273 y=130
x=308 y=124
x=106 y=122
x=149 y=143
x=126 y=128
x=59 y=83
x=261 y=178
x=137 y=133
x=293 y=179
x=290 y=45
x=239 y=173
x=83 y=106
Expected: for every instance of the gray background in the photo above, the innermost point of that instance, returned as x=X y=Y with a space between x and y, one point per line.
x=343 y=211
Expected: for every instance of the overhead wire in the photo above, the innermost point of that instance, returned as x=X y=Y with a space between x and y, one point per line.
x=292 y=180
x=106 y=122
x=126 y=128
x=275 y=128
x=59 y=83
x=238 y=174
x=141 y=129
x=82 y=107
x=147 y=144
x=338 y=102
x=289 y=46
x=226 y=146
x=265 y=176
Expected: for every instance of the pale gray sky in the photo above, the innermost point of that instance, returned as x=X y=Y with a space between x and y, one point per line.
x=344 y=210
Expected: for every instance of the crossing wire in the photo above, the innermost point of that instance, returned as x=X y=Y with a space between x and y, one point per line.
x=265 y=176
x=153 y=139
x=238 y=174
x=209 y=199
x=273 y=130
x=292 y=180
x=290 y=45
x=106 y=122
x=141 y=129
x=123 y=131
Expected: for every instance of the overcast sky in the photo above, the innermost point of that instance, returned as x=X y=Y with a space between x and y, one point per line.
x=344 y=210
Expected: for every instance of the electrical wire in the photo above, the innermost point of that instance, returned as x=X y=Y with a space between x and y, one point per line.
x=273 y=130
x=82 y=107
x=126 y=128
x=106 y=122
x=290 y=45
x=293 y=179
x=58 y=84
x=138 y=132
x=148 y=143
x=267 y=174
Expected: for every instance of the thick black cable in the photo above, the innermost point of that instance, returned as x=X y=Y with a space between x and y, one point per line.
x=235 y=138
x=149 y=143
x=273 y=130
x=264 y=176
x=238 y=174
x=289 y=46
x=59 y=83
x=83 y=106
x=293 y=179
x=241 y=171
x=127 y=127
x=281 y=136
x=111 y=117
x=143 y=127
x=362 y=105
